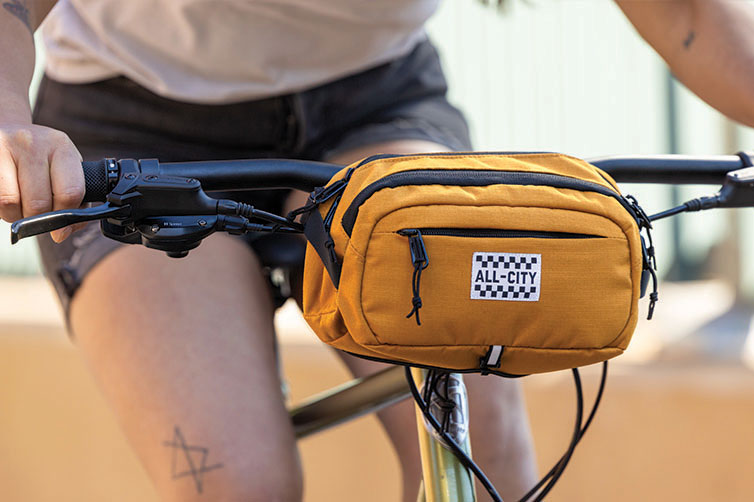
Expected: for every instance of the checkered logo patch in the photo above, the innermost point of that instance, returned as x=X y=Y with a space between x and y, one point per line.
x=511 y=277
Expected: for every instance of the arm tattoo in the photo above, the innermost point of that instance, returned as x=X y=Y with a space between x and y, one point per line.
x=689 y=40
x=18 y=8
x=189 y=460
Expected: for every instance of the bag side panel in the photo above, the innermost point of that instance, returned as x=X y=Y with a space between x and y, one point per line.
x=319 y=296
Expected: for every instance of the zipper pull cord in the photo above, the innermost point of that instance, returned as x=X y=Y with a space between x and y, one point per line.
x=653 y=296
x=652 y=267
x=416 y=301
x=420 y=261
x=319 y=196
x=650 y=259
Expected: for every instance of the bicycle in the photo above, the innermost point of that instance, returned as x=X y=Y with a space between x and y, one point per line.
x=165 y=207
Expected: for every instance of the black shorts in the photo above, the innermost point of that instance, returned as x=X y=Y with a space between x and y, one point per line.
x=403 y=99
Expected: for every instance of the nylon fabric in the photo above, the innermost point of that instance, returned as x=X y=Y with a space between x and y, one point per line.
x=558 y=289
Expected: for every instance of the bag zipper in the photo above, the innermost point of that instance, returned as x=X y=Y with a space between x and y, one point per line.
x=504 y=234
x=420 y=258
x=473 y=177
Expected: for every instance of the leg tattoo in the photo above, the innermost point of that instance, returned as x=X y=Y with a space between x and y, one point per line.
x=689 y=40
x=195 y=458
x=18 y=8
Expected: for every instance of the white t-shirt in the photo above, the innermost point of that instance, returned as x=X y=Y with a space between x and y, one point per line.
x=222 y=51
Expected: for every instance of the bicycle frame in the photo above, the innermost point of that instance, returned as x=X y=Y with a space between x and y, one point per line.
x=445 y=479
x=348 y=401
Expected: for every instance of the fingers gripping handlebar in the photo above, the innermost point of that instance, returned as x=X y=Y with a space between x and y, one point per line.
x=163 y=208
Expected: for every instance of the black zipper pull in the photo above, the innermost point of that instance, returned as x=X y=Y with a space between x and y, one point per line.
x=641 y=215
x=420 y=260
x=319 y=196
x=648 y=254
x=650 y=270
x=328 y=192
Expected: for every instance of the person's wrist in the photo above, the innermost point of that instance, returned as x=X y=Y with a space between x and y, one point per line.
x=14 y=104
x=17 y=115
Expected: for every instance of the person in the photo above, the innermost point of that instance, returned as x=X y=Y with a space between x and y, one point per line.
x=186 y=354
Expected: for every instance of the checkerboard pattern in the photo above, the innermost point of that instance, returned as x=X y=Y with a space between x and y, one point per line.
x=507 y=261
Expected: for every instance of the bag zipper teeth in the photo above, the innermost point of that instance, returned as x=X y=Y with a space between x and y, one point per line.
x=505 y=234
x=474 y=177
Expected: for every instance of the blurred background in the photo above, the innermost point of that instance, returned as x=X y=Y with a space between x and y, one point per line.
x=556 y=75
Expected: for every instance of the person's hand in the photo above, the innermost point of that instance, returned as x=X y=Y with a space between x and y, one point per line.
x=40 y=171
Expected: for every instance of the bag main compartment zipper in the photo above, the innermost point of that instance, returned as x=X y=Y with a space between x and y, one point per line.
x=473 y=177
x=505 y=234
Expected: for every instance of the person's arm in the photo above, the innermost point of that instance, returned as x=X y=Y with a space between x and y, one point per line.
x=40 y=168
x=708 y=44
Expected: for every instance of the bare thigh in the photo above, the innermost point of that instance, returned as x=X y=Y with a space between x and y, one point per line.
x=183 y=352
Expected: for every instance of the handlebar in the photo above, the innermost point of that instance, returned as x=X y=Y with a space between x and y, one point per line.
x=305 y=175
x=165 y=205
x=222 y=175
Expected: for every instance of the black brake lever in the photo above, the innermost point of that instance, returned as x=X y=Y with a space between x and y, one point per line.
x=169 y=213
x=35 y=225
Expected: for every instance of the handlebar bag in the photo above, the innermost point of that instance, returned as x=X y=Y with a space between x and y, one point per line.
x=507 y=263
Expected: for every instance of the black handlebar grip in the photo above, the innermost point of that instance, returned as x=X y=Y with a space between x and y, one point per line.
x=95 y=176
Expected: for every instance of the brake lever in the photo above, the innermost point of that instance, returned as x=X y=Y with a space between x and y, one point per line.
x=35 y=225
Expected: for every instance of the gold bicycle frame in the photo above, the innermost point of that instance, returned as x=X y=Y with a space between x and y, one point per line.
x=445 y=478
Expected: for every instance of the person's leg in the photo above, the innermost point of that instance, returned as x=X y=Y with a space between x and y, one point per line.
x=500 y=435
x=183 y=351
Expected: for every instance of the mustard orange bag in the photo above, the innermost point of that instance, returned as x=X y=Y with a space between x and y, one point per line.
x=509 y=263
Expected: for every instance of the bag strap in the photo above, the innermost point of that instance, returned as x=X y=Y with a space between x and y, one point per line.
x=320 y=239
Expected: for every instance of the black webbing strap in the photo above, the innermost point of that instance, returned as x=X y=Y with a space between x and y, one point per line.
x=319 y=238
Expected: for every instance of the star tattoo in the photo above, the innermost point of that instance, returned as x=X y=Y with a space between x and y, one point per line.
x=189 y=460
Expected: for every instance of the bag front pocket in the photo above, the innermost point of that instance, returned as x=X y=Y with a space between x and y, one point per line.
x=464 y=286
